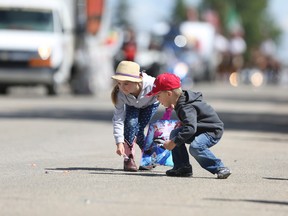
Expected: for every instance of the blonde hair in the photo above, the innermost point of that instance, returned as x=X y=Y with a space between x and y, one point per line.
x=177 y=91
x=115 y=90
x=114 y=94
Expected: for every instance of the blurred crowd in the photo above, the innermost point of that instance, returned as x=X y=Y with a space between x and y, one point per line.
x=182 y=50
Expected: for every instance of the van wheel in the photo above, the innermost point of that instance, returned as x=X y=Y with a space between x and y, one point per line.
x=81 y=84
x=3 y=90
x=52 y=89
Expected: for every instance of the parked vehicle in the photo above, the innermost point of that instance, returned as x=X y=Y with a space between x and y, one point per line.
x=40 y=39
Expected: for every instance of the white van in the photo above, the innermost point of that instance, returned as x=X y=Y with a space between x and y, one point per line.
x=36 y=44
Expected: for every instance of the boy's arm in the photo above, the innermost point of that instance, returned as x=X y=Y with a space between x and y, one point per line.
x=188 y=117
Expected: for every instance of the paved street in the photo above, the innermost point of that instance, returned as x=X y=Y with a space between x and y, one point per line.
x=58 y=158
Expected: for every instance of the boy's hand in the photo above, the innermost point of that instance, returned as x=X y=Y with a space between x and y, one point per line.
x=169 y=144
x=120 y=149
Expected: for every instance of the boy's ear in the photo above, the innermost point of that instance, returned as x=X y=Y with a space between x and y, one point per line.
x=169 y=93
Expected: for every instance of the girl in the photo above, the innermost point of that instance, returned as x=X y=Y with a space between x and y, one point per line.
x=133 y=110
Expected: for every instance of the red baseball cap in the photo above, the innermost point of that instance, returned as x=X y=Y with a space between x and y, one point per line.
x=165 y=82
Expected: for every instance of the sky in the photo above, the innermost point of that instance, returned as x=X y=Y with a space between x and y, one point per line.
x=147 y=12
x=279 y=10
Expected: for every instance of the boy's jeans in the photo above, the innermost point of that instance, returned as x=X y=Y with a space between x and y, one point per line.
x=199 y=149
x=135 y=122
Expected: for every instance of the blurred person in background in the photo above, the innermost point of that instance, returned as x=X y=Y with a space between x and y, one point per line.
x=128 y=48
x=223 y=58
x=272 y=65
x=237 y=49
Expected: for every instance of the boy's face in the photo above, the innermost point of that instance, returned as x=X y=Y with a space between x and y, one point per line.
x=164 y=97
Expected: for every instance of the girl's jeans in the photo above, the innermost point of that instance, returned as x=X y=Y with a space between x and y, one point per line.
x=135 y=122
x=199 y=149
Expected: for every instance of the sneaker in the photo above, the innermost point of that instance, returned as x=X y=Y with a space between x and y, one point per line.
x=185 y=171
x=223 y=173
x=130 y=165
x=149 y=167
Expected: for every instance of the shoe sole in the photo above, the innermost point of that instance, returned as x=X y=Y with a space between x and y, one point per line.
x=224 y=176
x=130 y=170
x=181 y=175
x=145 y=168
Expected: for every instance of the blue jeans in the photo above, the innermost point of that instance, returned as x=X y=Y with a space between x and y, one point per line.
x=199 y=149
x=136 y=120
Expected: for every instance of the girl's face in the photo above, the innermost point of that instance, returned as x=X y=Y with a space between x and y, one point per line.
x=164 y=97
x=128 y=87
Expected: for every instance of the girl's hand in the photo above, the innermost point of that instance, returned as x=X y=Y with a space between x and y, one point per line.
x=120 y=149
x=169 y=144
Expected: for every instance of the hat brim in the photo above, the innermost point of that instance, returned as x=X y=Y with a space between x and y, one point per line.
x=126 y=78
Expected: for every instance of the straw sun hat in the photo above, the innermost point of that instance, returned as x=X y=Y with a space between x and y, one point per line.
x=128 y=71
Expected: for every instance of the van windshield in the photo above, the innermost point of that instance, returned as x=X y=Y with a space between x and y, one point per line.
x=26 y=19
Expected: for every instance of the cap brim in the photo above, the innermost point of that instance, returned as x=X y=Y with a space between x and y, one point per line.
x=152 y=93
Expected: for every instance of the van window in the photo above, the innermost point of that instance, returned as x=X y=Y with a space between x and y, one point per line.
x=22 y=19
x=58 y=24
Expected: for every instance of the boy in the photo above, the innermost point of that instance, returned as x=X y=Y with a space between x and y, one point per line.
x=201 y=128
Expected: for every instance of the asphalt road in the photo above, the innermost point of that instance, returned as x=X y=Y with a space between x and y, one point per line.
x=58 y=158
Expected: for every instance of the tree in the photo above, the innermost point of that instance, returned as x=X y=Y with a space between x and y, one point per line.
x=121 y=16
x=257 y=24
x=179 y=12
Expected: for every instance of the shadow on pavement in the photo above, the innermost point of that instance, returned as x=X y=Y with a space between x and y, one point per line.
x=113 y=171
x=277 y=179
x=233 y=121
x=139 y=173
x=272 y=202
x=250 y=97
x=252 y=121
x=84 y=169
x=255 y=122
x=61 y=114
x=109 y=171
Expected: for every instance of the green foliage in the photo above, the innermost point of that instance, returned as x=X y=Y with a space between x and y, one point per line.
x=256 y=22
x=122 y=14
x=179 y=13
